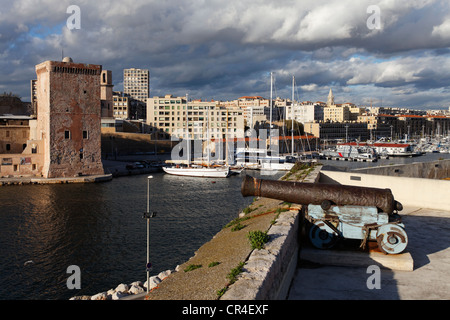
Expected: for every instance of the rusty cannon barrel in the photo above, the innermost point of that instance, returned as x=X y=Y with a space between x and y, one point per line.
x=320 y=194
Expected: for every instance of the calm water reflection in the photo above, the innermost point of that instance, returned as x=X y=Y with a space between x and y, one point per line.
x=100 y=228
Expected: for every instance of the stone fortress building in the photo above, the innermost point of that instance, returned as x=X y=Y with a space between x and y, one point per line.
x=63 y=136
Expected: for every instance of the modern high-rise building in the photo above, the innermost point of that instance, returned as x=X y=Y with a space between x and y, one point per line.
x=136 y=84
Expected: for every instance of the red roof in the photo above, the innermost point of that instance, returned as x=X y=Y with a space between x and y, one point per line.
x=386 y=115
x=251 y=97
x=383 y=144
x=257 y=139
x=438 y=117
x=410 y=116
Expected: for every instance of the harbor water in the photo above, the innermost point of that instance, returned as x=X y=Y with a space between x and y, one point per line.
x=99 y=227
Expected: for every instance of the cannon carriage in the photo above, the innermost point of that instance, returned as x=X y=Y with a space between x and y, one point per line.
x=339 y=212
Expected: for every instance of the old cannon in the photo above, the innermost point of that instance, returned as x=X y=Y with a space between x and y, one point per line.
x=339 y=211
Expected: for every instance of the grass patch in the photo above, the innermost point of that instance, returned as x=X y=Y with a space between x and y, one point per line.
x=221 y=292
x=299 y=171
x=237 y=227
x=247 y=210
x=213 y=264
x=232 y=276
x=257 y=239
x=236 y=221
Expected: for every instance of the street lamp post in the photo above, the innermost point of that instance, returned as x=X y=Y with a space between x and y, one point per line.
x=148 y=215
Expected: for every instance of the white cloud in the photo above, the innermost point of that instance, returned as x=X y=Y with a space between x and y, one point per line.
x=443 y=30
x=219 y=48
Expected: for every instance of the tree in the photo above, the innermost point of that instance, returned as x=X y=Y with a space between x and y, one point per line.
x=298 y=127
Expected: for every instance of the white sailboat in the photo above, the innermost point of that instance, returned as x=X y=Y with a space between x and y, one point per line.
x=197 y=170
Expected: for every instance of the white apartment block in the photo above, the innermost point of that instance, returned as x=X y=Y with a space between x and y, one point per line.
x=203 y=119
x=136 y=84
x=121 y=107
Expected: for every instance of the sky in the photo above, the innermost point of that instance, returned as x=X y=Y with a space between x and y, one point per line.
x=391 y=53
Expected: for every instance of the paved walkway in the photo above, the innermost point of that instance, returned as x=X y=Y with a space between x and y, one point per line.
x=429 y=245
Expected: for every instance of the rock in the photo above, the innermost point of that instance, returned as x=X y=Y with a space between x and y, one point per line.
x=122 y=288
x=119 y=295
x=137 y=283
x=136 y=289
x=154 y=281
x=110 y=292
x=81 y=298
x=164 y=274
x=100 y=296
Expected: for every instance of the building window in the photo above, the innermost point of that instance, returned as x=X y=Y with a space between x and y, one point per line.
x=85 y=134
x=67 y=134
x=8 y=147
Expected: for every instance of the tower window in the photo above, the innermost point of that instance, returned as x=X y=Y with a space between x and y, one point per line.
x=67 y=134
x=85 y=134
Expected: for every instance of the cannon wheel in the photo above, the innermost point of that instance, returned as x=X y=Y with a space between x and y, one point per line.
x=392 y=239
x=321 y=236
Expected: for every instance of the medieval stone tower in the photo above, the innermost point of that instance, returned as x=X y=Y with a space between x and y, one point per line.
x=69 y=118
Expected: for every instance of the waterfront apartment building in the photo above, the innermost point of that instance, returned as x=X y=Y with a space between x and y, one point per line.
x=136 y=84
x=254 y=115
x=63 y=137
x=121 y=106
x=306 y=111
x=256 y=109
x=203 y=119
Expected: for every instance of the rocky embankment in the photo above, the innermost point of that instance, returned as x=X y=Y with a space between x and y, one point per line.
x=128 y=290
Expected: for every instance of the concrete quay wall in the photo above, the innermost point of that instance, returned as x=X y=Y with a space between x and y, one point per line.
x=417 y=192
x=439 y=169
x=35 y=180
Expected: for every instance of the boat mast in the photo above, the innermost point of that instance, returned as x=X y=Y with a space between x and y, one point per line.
x=226 y=142
x=207 y=136
x=270 y=116
x=187 y=135
x=292 y=115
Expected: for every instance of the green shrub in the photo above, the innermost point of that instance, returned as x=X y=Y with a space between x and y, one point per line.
x=257 y=239
x=232 y=276
x=192 y=267
x=213 y=264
